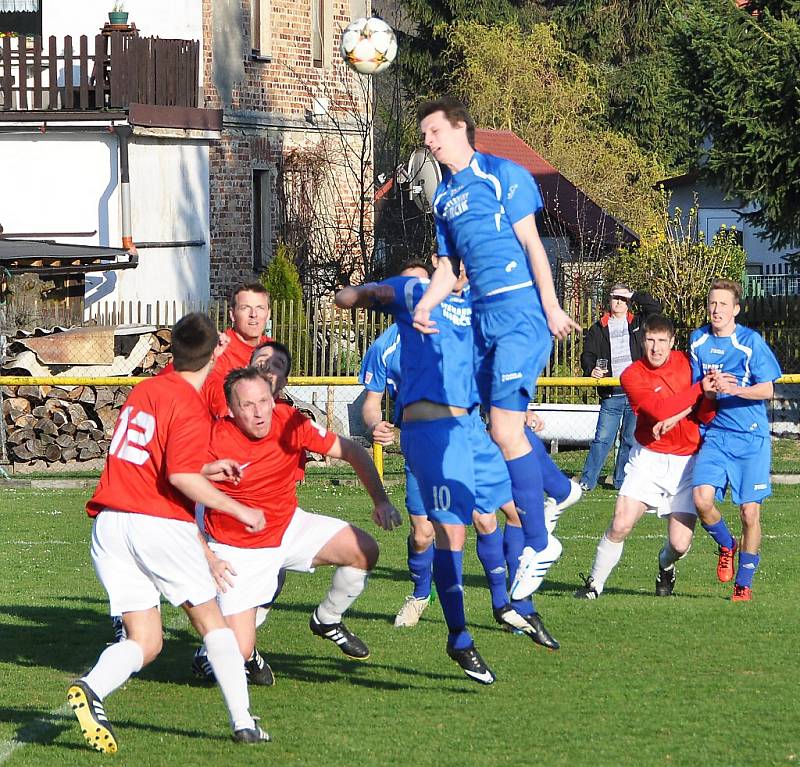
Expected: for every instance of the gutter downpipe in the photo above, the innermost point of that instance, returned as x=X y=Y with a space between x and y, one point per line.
x=124 y=132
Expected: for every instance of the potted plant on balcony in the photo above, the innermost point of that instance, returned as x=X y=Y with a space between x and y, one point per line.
x=118 y=16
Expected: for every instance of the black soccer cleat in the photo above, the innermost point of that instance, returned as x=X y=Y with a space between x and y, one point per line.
x=665 y=583
x=253 y=735
x=258 y=671
x=341 y=636
x=94 y=724
x=538 y=633
x=587 y=591
x=118 y=627
x=201 y=666
x=472 y=664
x=529 y=625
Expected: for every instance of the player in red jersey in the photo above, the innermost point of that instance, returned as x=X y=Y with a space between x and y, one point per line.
x=249 y=314
x=265 y=438
x=274 y=361
x=658 y=475
x=145 y=542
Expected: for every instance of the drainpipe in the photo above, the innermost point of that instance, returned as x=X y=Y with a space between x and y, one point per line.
x=124 y=132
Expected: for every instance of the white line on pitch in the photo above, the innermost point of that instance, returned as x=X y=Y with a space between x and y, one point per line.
x=35 y=728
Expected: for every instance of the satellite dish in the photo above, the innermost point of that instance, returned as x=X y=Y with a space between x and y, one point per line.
x=423 y=176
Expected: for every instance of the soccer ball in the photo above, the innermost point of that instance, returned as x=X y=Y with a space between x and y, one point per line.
x=368 y=46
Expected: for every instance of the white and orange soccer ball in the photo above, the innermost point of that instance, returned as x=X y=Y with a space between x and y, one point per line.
x=368 y=46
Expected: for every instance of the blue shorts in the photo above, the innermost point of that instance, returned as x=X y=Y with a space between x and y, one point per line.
x=739 y=460
x=446 y=456
x=492 y=483
x=414 y=505
x=512 y=346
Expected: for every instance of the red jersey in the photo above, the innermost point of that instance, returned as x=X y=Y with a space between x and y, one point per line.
x=164 y=428
x=269 y=467
x=659 y=393
x=236 y=355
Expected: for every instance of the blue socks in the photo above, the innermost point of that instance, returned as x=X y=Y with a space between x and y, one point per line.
x=720 y=533
x=449 y=585
x=490 y=553
x=554 y=481
x=420 y=565
x=526 y=488
x=747 y=568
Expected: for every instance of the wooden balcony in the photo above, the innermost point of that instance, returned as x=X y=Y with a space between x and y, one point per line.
x=108 y=74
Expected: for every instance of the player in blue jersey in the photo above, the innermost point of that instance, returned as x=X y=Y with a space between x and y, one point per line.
x=736 y=449
x=380 y=371
x=460 y=471
x=485 y=211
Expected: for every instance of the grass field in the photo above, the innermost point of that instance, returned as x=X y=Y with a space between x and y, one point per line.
x=691 y=680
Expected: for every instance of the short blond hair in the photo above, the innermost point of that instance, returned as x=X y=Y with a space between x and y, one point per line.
x=732 y=286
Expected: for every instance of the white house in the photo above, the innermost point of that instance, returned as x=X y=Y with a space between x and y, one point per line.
x=60 y=146
x=714 y=211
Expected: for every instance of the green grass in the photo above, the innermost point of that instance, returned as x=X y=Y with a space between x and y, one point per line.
x=692 y=680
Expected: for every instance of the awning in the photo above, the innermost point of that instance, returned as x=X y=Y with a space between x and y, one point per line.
x=12 y=6
x=59 y=259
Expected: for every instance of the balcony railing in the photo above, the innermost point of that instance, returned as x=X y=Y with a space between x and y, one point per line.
x=120 y=70
x=758 y=285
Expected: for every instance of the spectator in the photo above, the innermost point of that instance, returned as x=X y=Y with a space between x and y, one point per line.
x=611 y=344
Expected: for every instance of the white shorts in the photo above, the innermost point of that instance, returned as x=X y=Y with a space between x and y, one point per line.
x=256 y=579
x=661 y=481
x=138 y=558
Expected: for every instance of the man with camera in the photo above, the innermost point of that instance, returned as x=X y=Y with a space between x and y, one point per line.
x=611 y=344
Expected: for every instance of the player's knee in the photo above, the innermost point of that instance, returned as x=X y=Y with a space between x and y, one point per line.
x=150 y=646
x=617 y=534
x=485 y=524
x=751 y=514
x=422 y=534
x=704 y=502
x=367 y=551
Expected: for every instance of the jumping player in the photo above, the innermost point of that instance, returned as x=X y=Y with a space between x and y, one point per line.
x=658 y=474
x=380 y=372
x=145 y=543
x=736 y=449
x=452 y=458
x=485 y=212
x=265 y=438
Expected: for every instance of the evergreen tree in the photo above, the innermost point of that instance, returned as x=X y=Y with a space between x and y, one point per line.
x=740 y=69
x=281 y=277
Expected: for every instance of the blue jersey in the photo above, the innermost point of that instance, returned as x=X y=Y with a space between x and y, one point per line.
x=475 y=210
x=380 y=370
x=436 y=367
x=745 y=355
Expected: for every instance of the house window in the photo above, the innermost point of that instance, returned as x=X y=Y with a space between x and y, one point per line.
x=262 y=219
x=20 y=18
x=261 y=28
x=738 y=234
x=318 y=32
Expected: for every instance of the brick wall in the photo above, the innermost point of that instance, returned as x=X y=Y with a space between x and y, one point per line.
x=266 y=107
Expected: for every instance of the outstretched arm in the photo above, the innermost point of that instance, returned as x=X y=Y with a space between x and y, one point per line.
x=364 y=296
x=559 y=322
x=384 y=514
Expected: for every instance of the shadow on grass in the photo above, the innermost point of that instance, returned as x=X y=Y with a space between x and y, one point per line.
x=44 y=727
x=66 y=639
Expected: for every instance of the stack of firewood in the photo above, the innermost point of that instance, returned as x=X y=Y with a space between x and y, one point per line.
x=60 y=424
x=159 y=354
